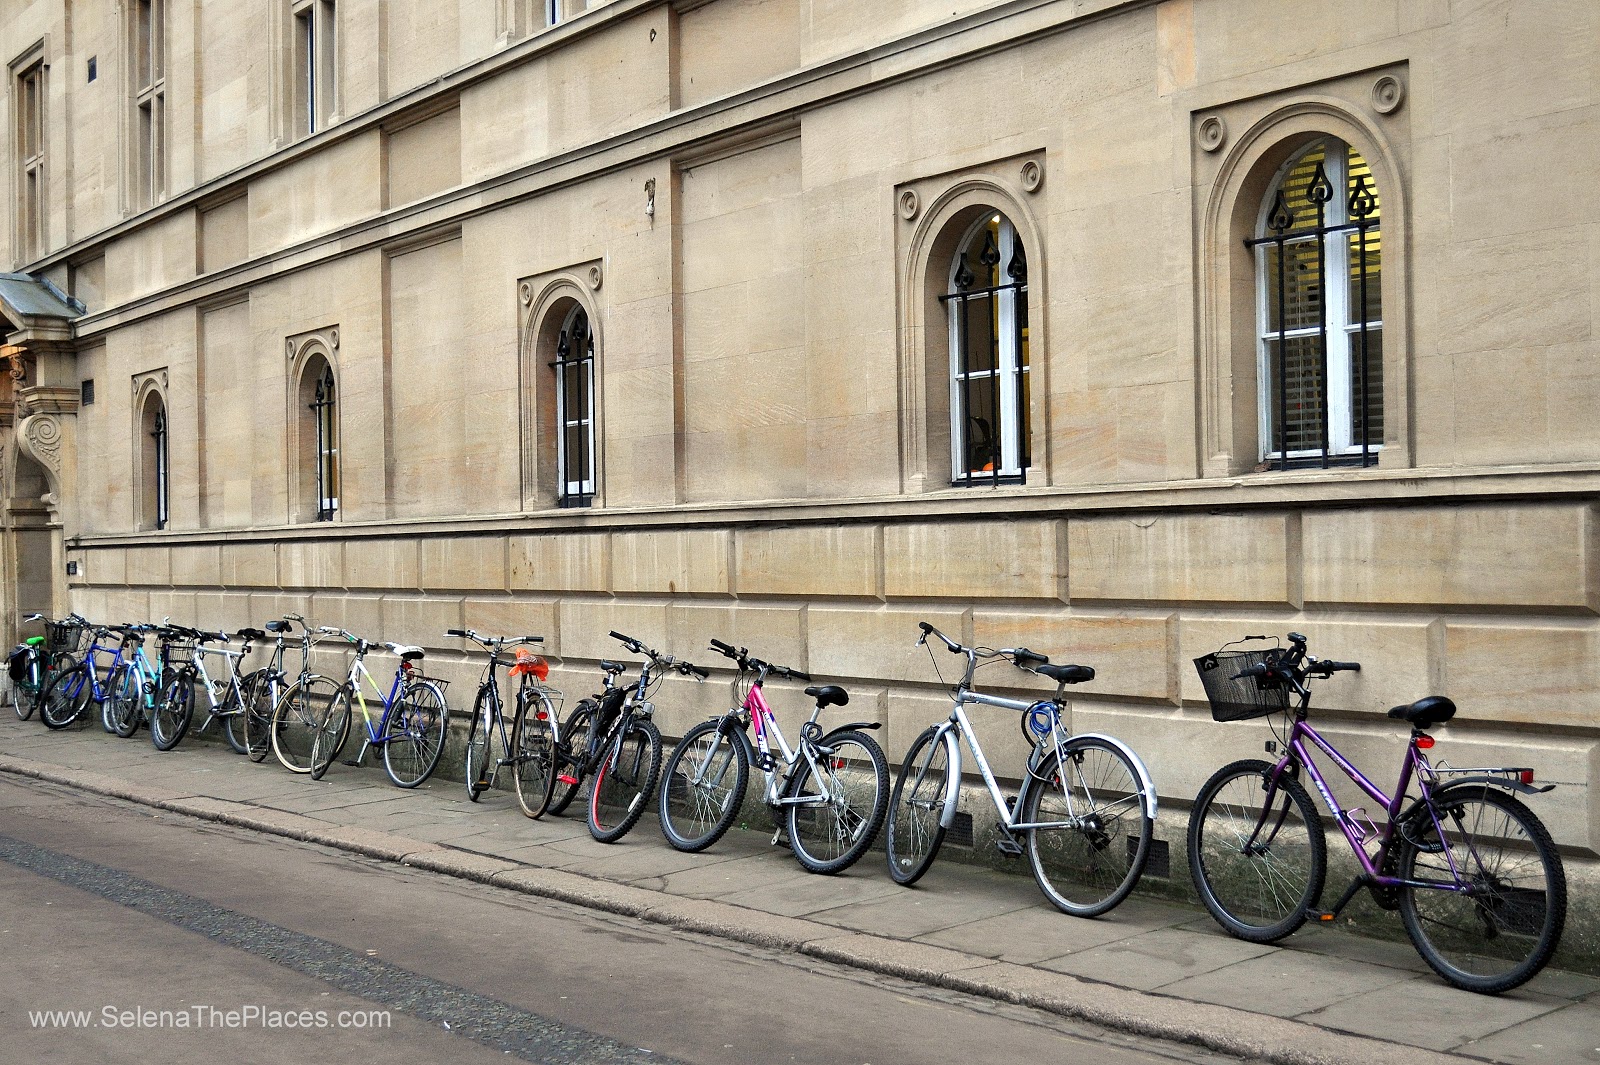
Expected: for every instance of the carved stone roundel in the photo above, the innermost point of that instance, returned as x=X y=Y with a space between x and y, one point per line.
x=909 y=204
x=1032 y=175
x=1211 y=133
x=1388 y=93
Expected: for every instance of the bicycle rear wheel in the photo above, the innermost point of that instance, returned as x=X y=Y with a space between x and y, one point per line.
x=24 y=694
x=1258 y=885
x=569 y=771
x=844 y=809
x=623 y=782
x=916 y=807
x=416 y=733
x=113 y=682
x=702 y=787
x=330 y=730
x=1500 y=934
x=296 y=718
x=1089 y=864
x=65 y=698
x=533 y=753
x=173 y=712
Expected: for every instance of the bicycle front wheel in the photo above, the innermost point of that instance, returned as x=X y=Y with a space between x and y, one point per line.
x=703 y=786
x=125 y=707
x=296 y=720
x=1093 y=854
x=569 y=775
x=415 y=739
x=65 y=698
x=1502 y=928
x=173 y=711
x=915 y=809
x=842 y=804
x=258 y=688
x=533 y=753
x=329 y=732
x=1257 y=853
x=623 y=782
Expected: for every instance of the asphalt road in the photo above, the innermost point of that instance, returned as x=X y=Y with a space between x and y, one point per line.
x=172 y=940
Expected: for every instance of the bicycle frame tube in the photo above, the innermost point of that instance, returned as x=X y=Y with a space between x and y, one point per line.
x=358 y=672
x=761 y=719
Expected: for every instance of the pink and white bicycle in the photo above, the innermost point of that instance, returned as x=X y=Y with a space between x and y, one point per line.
x=829 y=793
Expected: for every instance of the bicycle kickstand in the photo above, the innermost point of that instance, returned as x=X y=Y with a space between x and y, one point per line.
x=360 y=755
x=1344 y=900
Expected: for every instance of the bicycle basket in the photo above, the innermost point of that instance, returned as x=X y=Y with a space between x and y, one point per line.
x=63 y=636
x=1247 y=697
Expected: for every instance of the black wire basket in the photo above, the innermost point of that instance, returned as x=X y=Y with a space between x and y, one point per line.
x=1246 y=697
x=63 y=636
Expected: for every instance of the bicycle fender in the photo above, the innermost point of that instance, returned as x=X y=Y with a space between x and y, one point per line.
x=1147 y=786
x=851 y=727
x=952 y=798
x=729 y=727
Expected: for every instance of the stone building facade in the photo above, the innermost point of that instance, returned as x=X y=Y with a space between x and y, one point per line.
x=1116 y=328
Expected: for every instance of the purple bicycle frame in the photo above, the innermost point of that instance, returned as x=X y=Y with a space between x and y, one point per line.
x=1298 y=754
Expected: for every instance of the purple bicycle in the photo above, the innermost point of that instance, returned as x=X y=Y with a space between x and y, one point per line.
x=1478 y=882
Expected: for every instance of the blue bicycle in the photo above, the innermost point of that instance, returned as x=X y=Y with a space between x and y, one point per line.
x=69 y=692
x=134 y=686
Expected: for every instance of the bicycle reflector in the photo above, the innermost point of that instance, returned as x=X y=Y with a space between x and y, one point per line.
x=530 y=664
x=1041 y=717
x=1425 y=742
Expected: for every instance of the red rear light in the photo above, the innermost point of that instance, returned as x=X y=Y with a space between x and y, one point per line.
x=1527 y=776
x=1424 y=742
x=542 y=716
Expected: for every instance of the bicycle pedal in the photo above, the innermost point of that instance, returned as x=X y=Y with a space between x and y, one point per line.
x=1007 y=845
x=1321 y=915
x=568 y=779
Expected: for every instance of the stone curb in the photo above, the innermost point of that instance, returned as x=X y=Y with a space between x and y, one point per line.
x=1224 y=1029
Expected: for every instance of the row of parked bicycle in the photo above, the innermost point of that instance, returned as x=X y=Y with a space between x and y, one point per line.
x=1478 y=883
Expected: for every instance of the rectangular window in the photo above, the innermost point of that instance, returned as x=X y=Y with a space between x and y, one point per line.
x=147 y=35
x=315 y=65
x=30 y=141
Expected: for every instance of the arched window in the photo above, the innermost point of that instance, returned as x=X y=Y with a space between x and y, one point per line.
x=1319 y=311
x=318 y=403
x=987 y=306
x=154 y=463
x=574 y=372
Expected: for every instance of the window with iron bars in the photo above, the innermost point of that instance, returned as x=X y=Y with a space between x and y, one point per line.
x=160 y=471
x=574 y=370
x=987 y=305
x=1318 y=253
x=324 y=420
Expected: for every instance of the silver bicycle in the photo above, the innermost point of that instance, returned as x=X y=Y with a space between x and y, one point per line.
x=1084 y=815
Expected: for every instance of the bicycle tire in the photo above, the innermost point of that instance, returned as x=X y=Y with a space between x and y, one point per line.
x=914 y=832
x=1088 y=869
x=1235 y=886
x=173 y=712
x=107 y=725
x=258 y=714
x=21 y=699
x=624 y=781
x=294 y=721
x=1503 y=934
x=830 y=838
x=411 y=756
x=533 y=753
x=697 y=802
x=576 y=730
x=126 y=702
x=331 y=730
x=61 y=703
x=480 y=744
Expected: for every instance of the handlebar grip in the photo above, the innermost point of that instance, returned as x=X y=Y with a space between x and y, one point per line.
x=1026 y=657
x=615 y=635
x=533 y=639
x=698 y=671
x=1340 y=667
x=456 y=632
x=718 y=645
x=797 y=675
x=1258 y=670
x=925 y=627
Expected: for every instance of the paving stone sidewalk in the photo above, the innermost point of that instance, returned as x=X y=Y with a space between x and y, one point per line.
x=1149 y=967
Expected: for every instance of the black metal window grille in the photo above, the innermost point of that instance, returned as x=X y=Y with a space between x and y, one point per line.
x=158 y=434
x=574 y=368
x=1320 y=316
x=987 y=305
x=325 y=426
